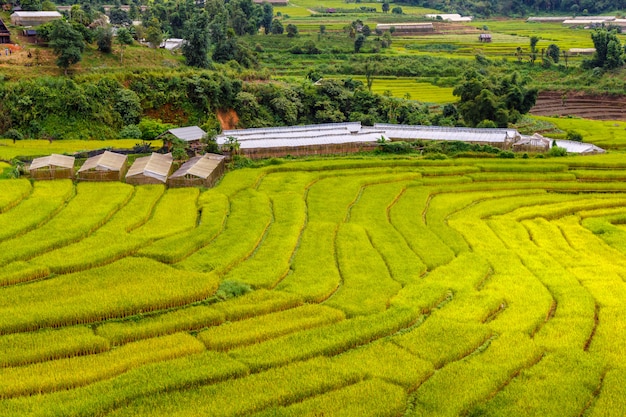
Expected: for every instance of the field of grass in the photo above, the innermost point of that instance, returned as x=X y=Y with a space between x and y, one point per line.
x=34 y=148
x=351 y=287
x=604 y=133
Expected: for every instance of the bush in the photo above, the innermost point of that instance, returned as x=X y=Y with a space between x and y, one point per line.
x=130 y=132
x=557 y=151
x=395 y=147
x=151 y=128
x=14 y=134
x=507 y=155
x=574 y=135
x=435 y=156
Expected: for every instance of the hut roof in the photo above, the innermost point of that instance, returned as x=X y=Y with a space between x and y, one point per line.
x=156 y=166
x=199 y=166
x=405 y=26
x=308 y=135
x=465 y=134
x=187 y=134
x=107 y=161
x=61 y=161
x=451 y=17
x=535 y=140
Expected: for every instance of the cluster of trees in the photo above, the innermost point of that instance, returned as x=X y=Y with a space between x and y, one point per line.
x=493 y=101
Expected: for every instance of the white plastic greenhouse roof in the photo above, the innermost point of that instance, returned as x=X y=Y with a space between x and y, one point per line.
x=107 y=161
x=62 y=161
x=308 y=135
x=579 y=147
x=465 y=134
x=188 y=134
x=199 y=166
x=156 y=166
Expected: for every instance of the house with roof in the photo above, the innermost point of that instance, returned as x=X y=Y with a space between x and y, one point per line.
x=407 y=28
x=108 y=166
x=52 y=167
x=199 y=171
x=5 y=35
x=33 y=18
x=191 y=135
x=322 y=139
x=153 y=169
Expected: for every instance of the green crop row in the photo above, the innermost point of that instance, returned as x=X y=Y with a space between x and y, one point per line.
x=72 y=223
x=215 y=207
x=250 y=216
x=112 y=291
x=258 y=329
x=44 y=202
x=197 y=317
x=524 y=177
x=24 y=348
x=81 y=370
x=13 y=192
x=21 y=271
x=162 y=223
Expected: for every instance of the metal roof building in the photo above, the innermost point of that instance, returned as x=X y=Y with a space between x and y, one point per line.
x=33 y=18
x=108 y=166
x=187 y=134
x=579 y=147
x=52 y=167
x=153 y=169
x=501 y=138
x=199 y=171
x=331 y=138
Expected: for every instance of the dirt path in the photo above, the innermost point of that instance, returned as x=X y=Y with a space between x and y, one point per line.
x=228 y=119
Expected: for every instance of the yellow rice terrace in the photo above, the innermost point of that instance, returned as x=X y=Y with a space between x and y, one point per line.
x=348 y=287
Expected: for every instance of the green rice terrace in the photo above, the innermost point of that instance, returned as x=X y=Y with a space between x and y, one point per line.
x=343 y=287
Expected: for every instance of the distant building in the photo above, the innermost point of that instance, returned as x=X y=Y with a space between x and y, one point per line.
x=581 y=51
x=450 y=17
x=484 y=37
x=108 y=166
x=499 y=138
x=33 y=18
x=273 y=2
x=52 y=167
x=5 y=35
x=548 y=19
x=421 y=27
x=199 y=171
x=190 y=135
x=153 y=169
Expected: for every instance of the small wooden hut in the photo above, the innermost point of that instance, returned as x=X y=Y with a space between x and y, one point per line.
x=107 y=166
x=52 y=167
x=199 y=171
x=191 y=135
x=153 y=169
x=484 y=37
x=5 y=35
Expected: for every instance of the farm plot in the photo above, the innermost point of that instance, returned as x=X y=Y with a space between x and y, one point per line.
x=347 y=287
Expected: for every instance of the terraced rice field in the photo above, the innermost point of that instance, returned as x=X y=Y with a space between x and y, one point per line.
x=379 y=287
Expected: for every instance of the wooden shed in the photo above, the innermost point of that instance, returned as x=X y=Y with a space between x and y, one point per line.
x=153 y=169
x=484 y=37
x=191 y=135
x=199 y=171
x=52 y=167
x=5 y=35
x=107 y=166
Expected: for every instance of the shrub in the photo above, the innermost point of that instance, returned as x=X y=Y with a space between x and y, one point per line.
x=130 y=132
x=574 y=135
x=557 y=151
x=507 y=155
x=14 y=134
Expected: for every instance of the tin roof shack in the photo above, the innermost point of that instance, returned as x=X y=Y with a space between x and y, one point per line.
x=107 y=166
x=534 y=143
x=191 y=135
x=153 y=169
x=407 y=28
x=5 y=35
x=33 y=18
x=199 y=171
x=484 y=37
x=52 y=167
x=273 y=2
x=322 y=139
x=499 y=138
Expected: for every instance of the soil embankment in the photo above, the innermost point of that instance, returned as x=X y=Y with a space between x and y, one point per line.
x=588 y=106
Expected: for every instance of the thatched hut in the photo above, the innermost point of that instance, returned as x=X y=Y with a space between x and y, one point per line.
x=107 y=166
x=52 y=167
x=199 y=171
x=153 y=169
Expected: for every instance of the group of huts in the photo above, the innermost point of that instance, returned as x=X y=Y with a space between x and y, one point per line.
x=156 y=168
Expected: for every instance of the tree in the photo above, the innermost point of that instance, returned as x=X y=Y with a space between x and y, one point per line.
x=154 y=34
x=67 y=44
x=31 y=5
x=118 y=16
x=123 y=38
x=609 y=52
x=397 y=10
x=533 y=49
x=196 y=47
x=277 y=27
x=519 y=53
x=104 y=39
x=266 y=20
x=385 y=7
x=358 y=43
x=554 y=52
x=292 y=30
x=48 y=6
x=370 y=70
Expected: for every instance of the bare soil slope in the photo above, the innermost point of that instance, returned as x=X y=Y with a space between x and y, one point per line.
x=598 y=107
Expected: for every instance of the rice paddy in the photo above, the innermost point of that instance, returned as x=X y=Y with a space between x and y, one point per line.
x=344 y=287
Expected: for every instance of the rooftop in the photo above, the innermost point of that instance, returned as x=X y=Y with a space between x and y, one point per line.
x=156 y=166
x=107 y=161
x=187 y=134
x=199 y=166
x=62 y=161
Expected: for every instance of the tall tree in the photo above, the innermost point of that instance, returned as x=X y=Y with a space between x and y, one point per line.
x=609 y=52
x=68 y=44
x=154 y=34
x=268 y=15
x=196 y=47
x=104 y=39
x=123 y=38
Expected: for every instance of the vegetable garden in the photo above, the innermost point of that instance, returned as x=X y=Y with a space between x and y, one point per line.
x=363 y=286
